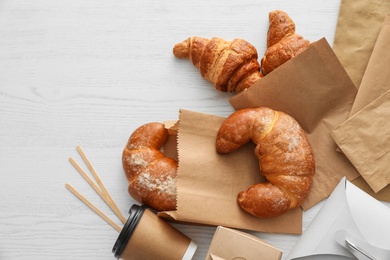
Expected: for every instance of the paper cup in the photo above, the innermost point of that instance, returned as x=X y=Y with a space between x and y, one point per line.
x=146 y=236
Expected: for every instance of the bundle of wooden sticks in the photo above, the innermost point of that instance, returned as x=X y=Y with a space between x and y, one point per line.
x=99 y=188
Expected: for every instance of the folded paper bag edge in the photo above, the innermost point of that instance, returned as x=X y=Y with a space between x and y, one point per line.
x=359 y=19
x=352 y=142
x=374 y=83
x=177 y=217
x=264 y=93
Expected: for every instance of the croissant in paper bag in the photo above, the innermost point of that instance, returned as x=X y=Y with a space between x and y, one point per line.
x=151 y=175
x=282 y=42
x=231 y=66
x=285 y=158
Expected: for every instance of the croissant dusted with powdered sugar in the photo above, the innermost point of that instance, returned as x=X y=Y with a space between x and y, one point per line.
x=282 y=42
x=151 y=175
x=285 y=158
x=231 y=66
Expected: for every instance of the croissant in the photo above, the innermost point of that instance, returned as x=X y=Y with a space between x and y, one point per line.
x=151 y=175
x=285 y=158
x=280 y=27
x=282 y=42
x=231 y=66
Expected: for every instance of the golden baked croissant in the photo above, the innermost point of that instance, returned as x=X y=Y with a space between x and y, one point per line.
x=285 y=158
x=282 y=42
x=280 y=27
x=151 y=175
x=231 y=66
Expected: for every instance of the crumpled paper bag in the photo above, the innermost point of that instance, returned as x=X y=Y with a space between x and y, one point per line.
x=357 y=29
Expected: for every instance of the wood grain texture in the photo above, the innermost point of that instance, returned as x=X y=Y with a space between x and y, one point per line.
x=89 y=73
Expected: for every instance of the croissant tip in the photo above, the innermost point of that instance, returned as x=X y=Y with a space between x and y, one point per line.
x=180 y=50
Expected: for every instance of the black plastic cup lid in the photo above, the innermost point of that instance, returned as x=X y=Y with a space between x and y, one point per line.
x=136 y=213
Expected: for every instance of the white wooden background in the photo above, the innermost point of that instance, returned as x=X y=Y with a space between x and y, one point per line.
x=88 y=72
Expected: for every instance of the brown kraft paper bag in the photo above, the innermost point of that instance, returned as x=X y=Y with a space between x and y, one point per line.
x=376 y=78
x=363 y=138
x=357 y=29
x=208 y=183
x=315 y=89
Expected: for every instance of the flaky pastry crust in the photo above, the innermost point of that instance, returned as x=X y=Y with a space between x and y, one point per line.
x=285 y=158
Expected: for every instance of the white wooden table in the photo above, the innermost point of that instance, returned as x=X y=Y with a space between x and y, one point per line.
x=88 y=73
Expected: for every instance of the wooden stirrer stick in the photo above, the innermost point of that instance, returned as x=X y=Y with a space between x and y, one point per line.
x=107 y=198
x=93 y=207
x=85 y=176
x=100 y=183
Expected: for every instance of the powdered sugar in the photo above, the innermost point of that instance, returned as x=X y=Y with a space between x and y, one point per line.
x=167 y=186
x=293 y=142
x=137 y=159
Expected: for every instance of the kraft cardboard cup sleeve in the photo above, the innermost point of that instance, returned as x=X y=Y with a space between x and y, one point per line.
x=147 y=236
